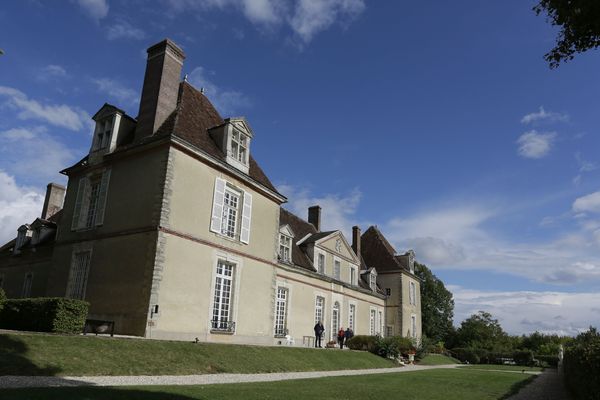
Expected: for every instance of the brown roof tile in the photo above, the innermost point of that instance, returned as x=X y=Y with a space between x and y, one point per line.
x=301 y=228
x=377 y=251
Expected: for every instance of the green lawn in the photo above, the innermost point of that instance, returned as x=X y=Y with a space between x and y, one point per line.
x=40 y=354
x=438 y=359
x=502 y=367
x=464 y=384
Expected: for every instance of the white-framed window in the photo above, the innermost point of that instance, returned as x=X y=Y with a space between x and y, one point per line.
x=223 y=297
x=91 y=201
x=78 y=276
x=413 y=326
x=231 y=213
x=103 y=133
x=413 y=293
x=351 y=316
x=380 y=320
x=372 y=317
x=335 y=320
x=319 y=308
x=373 y=281
x=281 y=312
x=321 y=263
x=27 y=283
x=285 y=248
x=239 y=147
x=337 y=266
x=353 y=275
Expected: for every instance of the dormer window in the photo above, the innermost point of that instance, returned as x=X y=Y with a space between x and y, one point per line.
x=103 y=133
x=239 y=147
x=23 y=233
x=285 y=244
x=411 y=261
x=373 y=281
x=233 y=138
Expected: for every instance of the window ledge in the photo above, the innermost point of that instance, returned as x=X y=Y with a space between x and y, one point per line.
x=221 y=332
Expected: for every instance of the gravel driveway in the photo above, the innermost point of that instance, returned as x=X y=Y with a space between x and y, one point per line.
x=548 y=386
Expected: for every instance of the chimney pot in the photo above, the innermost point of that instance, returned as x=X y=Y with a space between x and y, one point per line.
x=314 y=217
x=53 y=202
x=356 y=240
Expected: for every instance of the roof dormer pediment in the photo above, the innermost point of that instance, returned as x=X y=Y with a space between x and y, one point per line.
x=335 y=243
x=241 y=125
x=286 y=230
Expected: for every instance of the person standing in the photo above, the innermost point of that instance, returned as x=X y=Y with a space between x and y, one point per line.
x=341 y=336
x=319 y=329
x=348 y=334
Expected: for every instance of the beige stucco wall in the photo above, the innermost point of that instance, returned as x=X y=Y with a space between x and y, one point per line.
x=399 y=309
x=346 y=256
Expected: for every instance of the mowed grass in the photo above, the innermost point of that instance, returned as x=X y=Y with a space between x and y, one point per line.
x=502 y=367
x=39 y=354
x=442 y=384
x=438 y=359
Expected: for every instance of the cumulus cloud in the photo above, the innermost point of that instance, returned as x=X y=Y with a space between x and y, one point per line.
x=124 y=30
x=587 y=204
x=96 y=9
x=535 y=145
x=544 y=116
x=305 y=18
x=116 y=90
x=228 y=102
x=61 y=115
x=18 y=205
x=528 y=311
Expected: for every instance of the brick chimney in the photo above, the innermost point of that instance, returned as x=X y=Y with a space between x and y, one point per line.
x=314 y=217
x=161 y=87
x=356 y=240
x=53 y=202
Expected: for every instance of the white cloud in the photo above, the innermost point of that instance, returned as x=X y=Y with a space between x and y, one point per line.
x=61 y=115
x=97 y=9
x=18 y=205
x=228 y=102
x=311 y=17
x=585 y=166
x=544 y=116
x=50 y=72
x=124 y=30
x=338 y=211
x=116 y=90
x=535 y=145
x=589 y=203
x=527 y=311
x=33 y=153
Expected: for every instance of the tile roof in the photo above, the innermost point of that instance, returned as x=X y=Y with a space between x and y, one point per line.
x=377 y=251
x=301 y=228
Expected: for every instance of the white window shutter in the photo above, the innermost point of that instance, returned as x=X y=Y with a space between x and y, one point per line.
x=102 y=194
x=246 y=218
x=217 y=209
x=78 y=204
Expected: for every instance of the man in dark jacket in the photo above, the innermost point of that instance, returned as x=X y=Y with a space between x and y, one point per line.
x=319 y=329
x=348 y=334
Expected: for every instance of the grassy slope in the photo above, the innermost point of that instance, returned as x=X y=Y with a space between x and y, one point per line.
x=438 y=359
x=426 y=385
x=79 y=355
x=501 y=367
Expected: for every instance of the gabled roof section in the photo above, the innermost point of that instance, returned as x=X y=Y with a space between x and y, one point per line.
x=301 y=228
x=191 y=121
x=315 y=237
x=377 y=252
x=108 y=109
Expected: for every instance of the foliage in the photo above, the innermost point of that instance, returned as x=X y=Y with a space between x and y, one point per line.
x=524 y=357
x=437 y=359
x=481 y=331
x=547 y=361
x=582 y=365
x=52 y=314
x=393 y=346
x=2 y=298
x=579 y=22
x=466 y=355
x=362 y=342
x=437 y=305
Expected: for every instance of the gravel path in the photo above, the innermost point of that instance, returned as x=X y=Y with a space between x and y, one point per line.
x=54 y=381
x=548 y=386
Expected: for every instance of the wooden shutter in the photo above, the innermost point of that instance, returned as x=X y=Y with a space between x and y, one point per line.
x=78 y=203
x=246 y=218
x=102 y=197
x=217 y=209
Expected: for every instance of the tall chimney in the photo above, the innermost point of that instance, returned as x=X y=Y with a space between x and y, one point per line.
x=314 y=217
x=161 y=87
x=356 y=240
x=53 y=202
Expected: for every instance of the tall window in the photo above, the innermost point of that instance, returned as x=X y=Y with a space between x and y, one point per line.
x=336 y=269
x=380 y=318
x=103 y=129
x=413 y=293
x=319 y=307
x=413 y=326
x=281 y=312
x=26 y=292
x=91 y=201
x=222 y=308
x=335 y=320
x=351 y=316
x=230 y=213
x=352 y=275
x=372 y=323
x=79 y=275
x=93 y=204
x=285 y=248
x=321 y=263
x=373 y=281
x=239 y=146
x=389 y=331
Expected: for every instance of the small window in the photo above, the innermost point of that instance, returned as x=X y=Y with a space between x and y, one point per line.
x=281 y=312
x=373 y=281
x=389 y=331
x=336 y=269
x=285 y=248
x=27 y=282
x=321 y=263
x=103 y=131
x=413 y=293
x=388 y=291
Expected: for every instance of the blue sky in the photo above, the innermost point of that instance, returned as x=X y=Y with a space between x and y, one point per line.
x=439 y=122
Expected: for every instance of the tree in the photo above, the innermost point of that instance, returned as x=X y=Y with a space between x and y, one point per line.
x=483 y=332
x=437 y=305
x=579 y=22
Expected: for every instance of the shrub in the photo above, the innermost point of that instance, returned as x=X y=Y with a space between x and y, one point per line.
x=465 y=354
x=548 y=361
x=55 y=314
x=362 y=342
x=582 y=365
x=393 y=346
x=2 y=298
x=524 y=357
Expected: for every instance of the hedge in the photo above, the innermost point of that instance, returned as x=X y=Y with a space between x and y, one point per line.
x=582 y=365
x=50 y=314
x=551 y=361
x=362 y=342
x=465 y=354
x=2 y=298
